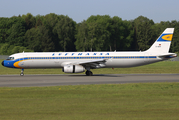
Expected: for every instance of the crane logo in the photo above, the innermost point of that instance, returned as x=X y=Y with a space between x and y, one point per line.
x=167 y=37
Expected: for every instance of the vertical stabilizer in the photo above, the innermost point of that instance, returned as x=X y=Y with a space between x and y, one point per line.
x=162 y=44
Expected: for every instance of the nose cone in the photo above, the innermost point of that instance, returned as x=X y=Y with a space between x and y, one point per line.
x=2 y=63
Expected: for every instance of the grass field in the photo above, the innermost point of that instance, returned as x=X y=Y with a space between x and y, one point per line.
x=91 y=102
x=160 y=67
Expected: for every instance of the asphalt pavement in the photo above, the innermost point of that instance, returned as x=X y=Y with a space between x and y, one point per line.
x=72 y=79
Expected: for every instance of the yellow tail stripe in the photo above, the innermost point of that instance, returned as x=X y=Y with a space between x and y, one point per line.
x=167 y=37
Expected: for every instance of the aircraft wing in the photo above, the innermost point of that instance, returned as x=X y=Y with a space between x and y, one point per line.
x=93 y=63
x=89 y=63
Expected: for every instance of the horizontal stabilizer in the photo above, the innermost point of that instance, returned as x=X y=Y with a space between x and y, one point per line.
x=168 y=55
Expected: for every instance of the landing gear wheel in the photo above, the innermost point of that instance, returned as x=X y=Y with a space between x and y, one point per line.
x=89 y=73
x=22 y=72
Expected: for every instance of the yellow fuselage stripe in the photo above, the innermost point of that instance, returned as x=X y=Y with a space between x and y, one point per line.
x=16 y=64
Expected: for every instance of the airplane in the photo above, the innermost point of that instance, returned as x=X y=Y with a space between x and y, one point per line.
x=78 y=62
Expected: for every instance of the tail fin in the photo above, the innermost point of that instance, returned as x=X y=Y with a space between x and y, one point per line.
x=162 y=44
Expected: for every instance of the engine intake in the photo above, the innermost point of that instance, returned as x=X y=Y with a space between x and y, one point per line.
x=73 y=69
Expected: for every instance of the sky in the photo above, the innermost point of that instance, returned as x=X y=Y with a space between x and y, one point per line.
x=79 y=10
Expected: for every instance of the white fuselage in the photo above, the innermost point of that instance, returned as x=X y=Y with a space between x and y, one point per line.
x=59 y=59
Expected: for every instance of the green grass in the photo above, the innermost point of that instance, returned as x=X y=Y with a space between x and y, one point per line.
x=160 y=67
x=91 y=102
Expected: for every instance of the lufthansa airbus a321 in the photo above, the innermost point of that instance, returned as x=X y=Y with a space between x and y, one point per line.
x=77 y=62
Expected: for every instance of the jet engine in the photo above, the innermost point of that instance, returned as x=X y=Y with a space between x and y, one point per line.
x=73 y=69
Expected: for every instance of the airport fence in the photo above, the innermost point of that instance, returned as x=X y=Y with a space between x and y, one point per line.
x=175 y=59
x=4 y=56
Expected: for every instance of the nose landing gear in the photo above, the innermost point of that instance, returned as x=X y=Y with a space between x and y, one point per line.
x=22 y=72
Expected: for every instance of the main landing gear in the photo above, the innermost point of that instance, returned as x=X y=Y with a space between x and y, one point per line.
x=89 y=73
x=22 y=72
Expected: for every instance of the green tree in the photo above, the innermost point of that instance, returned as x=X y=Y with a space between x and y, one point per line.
x=32 y=38
x=39 y=40
x=142 y=32
x=39 y=20
x=65 y=29
x=127 y=36
x=99 y=32
x=175 y=41
x=50 y=21
x=3 y=29
x=30 y=20
x=47 y=45
x=81 y=36
x=4 y=49
x=17 y=32
x=121 y=34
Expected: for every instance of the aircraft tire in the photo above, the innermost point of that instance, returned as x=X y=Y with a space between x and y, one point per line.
x=21 y=74
x=89 y=73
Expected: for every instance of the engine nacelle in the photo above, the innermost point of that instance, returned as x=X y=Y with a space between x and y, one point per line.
x=73 y=69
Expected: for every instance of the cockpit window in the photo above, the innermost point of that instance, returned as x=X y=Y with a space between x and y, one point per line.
x=10 y=58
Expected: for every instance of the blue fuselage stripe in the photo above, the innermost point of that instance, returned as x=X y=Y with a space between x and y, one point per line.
x=91 y=57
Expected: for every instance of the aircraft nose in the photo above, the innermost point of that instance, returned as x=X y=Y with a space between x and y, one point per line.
x=2 y=63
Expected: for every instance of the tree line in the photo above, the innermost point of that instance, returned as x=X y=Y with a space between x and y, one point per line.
x=54 y=32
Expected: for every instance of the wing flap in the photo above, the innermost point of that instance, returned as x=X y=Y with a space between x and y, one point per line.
x=91 y=61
